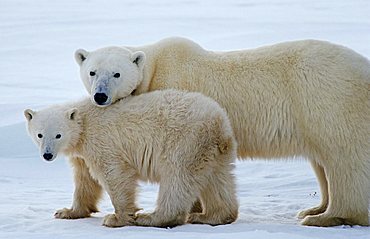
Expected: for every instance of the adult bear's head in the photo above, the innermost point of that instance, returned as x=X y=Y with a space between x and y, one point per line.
x=110 y=73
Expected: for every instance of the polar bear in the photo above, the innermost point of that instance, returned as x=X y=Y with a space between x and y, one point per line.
x=305 y=98
x=183 y=141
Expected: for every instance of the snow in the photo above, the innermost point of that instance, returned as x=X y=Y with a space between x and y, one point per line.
x=37 y=42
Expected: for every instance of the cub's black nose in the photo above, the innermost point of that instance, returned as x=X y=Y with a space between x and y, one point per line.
x=100 y=98
x=47 y=156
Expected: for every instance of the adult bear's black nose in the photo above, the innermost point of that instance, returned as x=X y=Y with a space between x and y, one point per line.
x=47 y=156
x=100 y=98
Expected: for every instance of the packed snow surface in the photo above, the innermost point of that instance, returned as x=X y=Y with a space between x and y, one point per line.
x=37 y=42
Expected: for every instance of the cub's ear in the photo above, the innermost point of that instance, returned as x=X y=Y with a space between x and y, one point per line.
x=138 y=58
x=72 y=114
x=81 y=55
x=29 y=114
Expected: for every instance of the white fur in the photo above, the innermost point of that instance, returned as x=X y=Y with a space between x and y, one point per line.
x=305 y=98
x=183 y=141
x=128 y=65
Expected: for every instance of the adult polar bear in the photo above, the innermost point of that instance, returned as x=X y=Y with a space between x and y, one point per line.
x=308 y=98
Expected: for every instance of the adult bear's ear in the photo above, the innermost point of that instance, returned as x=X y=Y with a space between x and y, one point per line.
x=29 y=114
x=138 y=58
x=81 y=55
x=72 y=114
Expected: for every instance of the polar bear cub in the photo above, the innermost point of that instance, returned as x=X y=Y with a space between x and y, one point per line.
x=183 y=141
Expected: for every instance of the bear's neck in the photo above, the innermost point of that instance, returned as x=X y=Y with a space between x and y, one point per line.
x=161 y=64
x=148 y=72
x=75 y=145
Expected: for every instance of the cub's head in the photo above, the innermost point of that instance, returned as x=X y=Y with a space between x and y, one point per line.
x=52 y=130
x=110 y=73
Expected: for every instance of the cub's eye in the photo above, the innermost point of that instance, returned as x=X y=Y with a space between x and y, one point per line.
x=39 y=135
x=117 y=75
x=58 y=136
x=92 y=73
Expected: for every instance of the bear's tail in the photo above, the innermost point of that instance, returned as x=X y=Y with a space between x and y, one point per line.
x=226 y=138
x=225 y=145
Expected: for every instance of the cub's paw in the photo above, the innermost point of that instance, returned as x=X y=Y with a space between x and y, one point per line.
x=213 y=220
x=111 y=220
x=67 y=213
x=195 y=218
x=158 y=220
x=144 y=219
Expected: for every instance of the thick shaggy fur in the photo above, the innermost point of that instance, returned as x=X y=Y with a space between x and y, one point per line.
x=305 y=98
x=183 y=141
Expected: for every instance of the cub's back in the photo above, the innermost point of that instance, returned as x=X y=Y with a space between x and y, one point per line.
x=169 y=124
x=160 y=108
x=152 y=116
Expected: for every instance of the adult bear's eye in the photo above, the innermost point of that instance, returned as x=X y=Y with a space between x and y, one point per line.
x=58 y=136
x=39 y=135
x=92 y=73
x=117 y=75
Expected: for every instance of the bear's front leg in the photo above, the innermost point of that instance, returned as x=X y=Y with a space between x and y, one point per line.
x=121 y=183
x=87 y=193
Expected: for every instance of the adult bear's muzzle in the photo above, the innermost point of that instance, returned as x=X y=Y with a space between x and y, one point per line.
x=100 y=98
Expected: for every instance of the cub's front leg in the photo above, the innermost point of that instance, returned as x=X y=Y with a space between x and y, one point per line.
x=121 y=184
x=86 y=195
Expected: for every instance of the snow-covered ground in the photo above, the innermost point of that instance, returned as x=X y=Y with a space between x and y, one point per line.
x=37 y=42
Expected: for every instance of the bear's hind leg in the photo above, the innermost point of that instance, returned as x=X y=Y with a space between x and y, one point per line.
x=177 y=193
x=86 y=195
x=348 y=184
x=321 y=178
x=219 y=201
